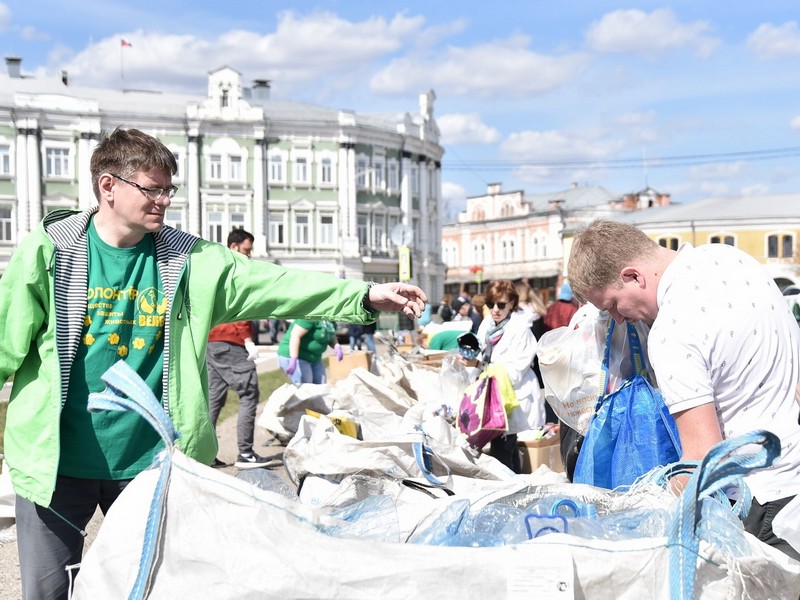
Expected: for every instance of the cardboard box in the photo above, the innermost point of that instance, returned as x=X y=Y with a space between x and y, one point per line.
x=546 y=451
x=341 y=369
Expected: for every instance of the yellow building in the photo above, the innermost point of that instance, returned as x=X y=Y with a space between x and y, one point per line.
x=766 y=227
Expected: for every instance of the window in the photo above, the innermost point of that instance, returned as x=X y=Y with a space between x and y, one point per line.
x=5 y=159
x=238 y=220
x=378 y=175
x=508 y=250
x=301 y=233
x=415 y=178
x=326 y=171
x=57 y=162
x=223 y=100
x=276 y=167
x=394 y=180
x=5 y=224
x=277 y=228
x=215 y=226
x=326 y=230
x=236 y=172
x=363 y=239
x=301 y=170
x=780 y=246
x=669 y=242
x=722 y=239
x=174 y=218
x=379 y=232
x=215 y=167
x=361 y=173
x=179 y=162
x=479 y=253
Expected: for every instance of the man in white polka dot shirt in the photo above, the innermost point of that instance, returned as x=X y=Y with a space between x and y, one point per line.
x=723 y=344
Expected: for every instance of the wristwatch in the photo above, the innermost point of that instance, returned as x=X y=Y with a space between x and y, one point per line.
x=365 y=300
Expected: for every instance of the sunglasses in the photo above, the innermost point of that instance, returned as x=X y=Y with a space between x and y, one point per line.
x=499 y=305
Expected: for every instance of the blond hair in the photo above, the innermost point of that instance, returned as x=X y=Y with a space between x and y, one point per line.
x=601 y=251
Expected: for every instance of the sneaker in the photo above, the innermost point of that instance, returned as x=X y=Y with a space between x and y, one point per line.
x=251 y=460
x=218 y=464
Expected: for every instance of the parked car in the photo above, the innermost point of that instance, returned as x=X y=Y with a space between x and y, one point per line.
x=792 y=295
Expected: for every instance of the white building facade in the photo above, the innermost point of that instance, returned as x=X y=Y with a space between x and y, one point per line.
x=320 y=189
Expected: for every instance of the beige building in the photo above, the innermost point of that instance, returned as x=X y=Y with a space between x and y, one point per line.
x=514 y=235
x=766 y=227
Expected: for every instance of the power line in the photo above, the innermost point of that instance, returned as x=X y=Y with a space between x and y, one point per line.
x=625 y=163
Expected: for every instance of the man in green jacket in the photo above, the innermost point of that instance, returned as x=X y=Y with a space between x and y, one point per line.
x=87 y=289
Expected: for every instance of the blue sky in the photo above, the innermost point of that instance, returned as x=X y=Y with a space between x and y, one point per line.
x=695 y=99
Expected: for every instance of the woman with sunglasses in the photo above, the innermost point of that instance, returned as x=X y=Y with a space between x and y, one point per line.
x=507 y=339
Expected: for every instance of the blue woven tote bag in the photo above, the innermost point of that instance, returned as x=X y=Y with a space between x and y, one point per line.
x=631 y=432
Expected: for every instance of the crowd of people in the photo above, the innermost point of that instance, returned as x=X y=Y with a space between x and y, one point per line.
x=113 y=283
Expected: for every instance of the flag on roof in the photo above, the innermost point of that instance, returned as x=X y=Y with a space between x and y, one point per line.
x=124 y=43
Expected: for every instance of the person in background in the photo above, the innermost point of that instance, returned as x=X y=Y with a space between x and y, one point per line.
x=230 y=357
x=560 y=312
x=507 y=339
x=461 y=308
x=444 y=312
x=87 y=289
x=530 y=301
x=301 y=349
x=369 y=335
x=478 y=304
x=723 y=345
x=354 y=333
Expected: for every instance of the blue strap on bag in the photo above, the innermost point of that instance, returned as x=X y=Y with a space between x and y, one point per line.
x=631 y=432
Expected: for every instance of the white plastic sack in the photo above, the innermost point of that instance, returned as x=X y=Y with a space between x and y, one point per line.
x=184 y=530
x=376 y=402
x=570 y=360
x=319 y=449
x=221 y=538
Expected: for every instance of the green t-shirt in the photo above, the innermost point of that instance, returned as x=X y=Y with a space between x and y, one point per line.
x=445 y=340
x=314 y=343
x=125 y=315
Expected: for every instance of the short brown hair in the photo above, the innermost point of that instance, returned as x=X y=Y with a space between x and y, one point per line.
x=601 y=251
x=124 y=151
x=502 y=287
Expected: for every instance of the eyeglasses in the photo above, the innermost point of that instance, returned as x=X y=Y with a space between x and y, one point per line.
x=499 y=305
x=151 y=194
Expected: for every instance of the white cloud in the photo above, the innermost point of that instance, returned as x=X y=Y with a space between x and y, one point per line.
x=639 y=33
x=715 y=188
x=758 y=189
x=501 y=68
x=31 y=34
x=547 y=146
x=552 y=157
x=455 y=199
x=775 y=41
x=5 y=16
x=718 y=170
x=466 y=128
x=318 y=48
x=795 y=123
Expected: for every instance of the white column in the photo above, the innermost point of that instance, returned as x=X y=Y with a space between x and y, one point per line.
x=193 y=184
x=405 y=189
x=347 y=200
x=34 y=180
x=86 y=145
x=259 y=203
x=23 y=214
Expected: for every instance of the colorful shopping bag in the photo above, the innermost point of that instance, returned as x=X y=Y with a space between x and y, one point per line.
x=483 y=414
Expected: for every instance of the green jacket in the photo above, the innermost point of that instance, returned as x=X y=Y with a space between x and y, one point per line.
x=43 y=303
